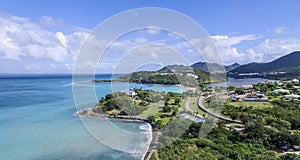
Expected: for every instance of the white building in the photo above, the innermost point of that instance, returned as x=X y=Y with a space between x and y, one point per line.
x=278 y=91
x=292 y=97
x=295 y=80
x=132 y=93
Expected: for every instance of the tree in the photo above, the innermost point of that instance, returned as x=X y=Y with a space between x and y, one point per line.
x=290 y=157
x=255 y=130
x=156 y=99
x=177 y=100
x=102 y=100
x=240 y=91
x=108 y=97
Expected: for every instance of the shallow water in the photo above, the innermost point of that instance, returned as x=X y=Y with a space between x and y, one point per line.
x=37 y=122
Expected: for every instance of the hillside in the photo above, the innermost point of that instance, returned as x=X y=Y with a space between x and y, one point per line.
x=214 y=67
x=172 y=67
x=172 y=75
x=231 y=67
x=284 y=67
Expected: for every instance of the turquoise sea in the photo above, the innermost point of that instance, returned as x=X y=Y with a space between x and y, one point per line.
x=37 y=121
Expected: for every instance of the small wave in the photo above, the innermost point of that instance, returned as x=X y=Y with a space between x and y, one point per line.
x=145 y=127
x=136 y=150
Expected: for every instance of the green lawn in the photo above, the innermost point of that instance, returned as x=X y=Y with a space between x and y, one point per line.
x=165 y=120
x=152 y=109
x=253 y=104
x=194 y=105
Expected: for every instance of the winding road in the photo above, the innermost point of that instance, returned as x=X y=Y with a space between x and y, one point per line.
x=187 y=108
x=202 y=107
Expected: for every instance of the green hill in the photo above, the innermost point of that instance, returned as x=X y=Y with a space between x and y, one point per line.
x=289 y=64
x=214 y=67
x=172 y=75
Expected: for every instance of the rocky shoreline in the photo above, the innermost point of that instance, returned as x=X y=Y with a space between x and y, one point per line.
x=90 y=113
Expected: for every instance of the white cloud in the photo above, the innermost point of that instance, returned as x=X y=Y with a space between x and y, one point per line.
x=280 y=30
x=49 y=21
x=270 y=49
x=224 y=40
x=61 y=37
x=266 y=51
x=229 y=47
x=21 y=37
x=33 y=47
x=229 y=52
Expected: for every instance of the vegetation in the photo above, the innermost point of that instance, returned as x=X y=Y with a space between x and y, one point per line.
x=157 y=107
x=268 y=129
x=186 y=77
x=214 y=67
x=289 y=64
x=178 y=74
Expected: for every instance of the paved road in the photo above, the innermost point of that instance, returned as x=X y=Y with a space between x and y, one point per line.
x=202 y=107
x=187 y=108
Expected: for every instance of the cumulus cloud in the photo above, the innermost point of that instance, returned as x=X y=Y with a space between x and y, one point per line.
x=266 y=51
x=229 y=52
x=21 y=37
x=34 y=47
x=271 y=49
x=237 y=49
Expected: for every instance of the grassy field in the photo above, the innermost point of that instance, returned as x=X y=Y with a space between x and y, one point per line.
x=194 y=105
x=253 y=104
x=165 y=120
x=153 y=109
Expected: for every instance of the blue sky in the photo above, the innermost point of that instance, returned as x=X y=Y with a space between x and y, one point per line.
x=45 y=36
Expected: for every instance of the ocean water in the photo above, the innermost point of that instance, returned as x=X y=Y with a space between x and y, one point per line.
x=37 y=121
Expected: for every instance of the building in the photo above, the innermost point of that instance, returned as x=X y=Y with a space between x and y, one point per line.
x=132 y=93
x=279 y=91
x=292 y=97
x=295 y=80
x=256 y=97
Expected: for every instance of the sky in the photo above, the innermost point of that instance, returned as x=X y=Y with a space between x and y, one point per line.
x=45 y=36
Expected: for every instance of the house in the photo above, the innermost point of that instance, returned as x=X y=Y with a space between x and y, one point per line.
x=295 y=80
x=280 y=83
x=292 y=97
x=132 y=93
x=279 y=91
x=255 y=97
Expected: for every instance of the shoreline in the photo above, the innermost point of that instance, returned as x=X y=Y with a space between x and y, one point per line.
x=89 y=113
x=124 y=118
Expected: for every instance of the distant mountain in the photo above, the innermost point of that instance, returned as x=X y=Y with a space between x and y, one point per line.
x=231 y=67
x=214 y=67
x=288 y=65
x=173 y=67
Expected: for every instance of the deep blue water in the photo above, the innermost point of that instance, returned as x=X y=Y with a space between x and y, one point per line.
x=37 y=121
